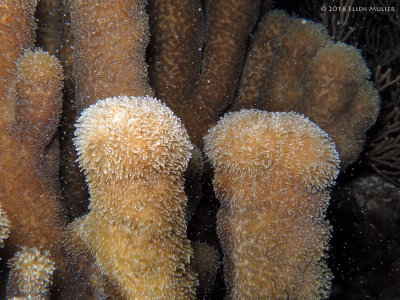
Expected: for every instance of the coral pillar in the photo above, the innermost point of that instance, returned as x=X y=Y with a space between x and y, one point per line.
x=29 y=192
x=110 y=39
x=17 y=32
x=134 y=152
x=292 y=65
x=271 y=175
x=109 y=46
x=29 y=188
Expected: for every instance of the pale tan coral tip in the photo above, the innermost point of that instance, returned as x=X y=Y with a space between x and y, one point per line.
x=131 y=136
x=40 y=64
x=256 y=142
x=31 y=271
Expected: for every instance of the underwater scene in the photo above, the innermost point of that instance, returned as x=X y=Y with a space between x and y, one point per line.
x=199 y=149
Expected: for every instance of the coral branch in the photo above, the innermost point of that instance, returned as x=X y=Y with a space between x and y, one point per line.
x=176 y=40
x=259 y=59
x=29 y=188
x=271 y=175
x=341 y=100
x=16 y=34
x=109 y=44
x=224 y=48
x=298 y=44
x=109 y=52
x=39 y=84
x=31 y=274
x=133 y=152
x=223 y=57
x=308 y=73
x=28 y=162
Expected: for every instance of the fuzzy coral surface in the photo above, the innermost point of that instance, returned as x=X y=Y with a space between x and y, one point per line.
x=271 y=172
x=133 y=151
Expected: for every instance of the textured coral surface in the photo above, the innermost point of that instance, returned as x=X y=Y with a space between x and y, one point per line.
x=133 y=152
x=30 y=275
x=110 y=40
x=271 y=170
x=210 y=87
x=29 y=191
x=293 y=65
x=202 y=59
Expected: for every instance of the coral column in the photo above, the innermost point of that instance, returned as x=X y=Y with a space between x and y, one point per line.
x=271 y=175
x=134 y=151
x=110 y=39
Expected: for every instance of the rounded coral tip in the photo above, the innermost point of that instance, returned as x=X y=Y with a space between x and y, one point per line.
x=255 y=143
x=39 y=87
x=39 y=67
x=131 y=137
x=31 y=273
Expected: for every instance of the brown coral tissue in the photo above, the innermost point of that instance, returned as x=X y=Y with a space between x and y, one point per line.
x=29 y=187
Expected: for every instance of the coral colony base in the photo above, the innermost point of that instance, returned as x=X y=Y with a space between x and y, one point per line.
x=274 y=103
